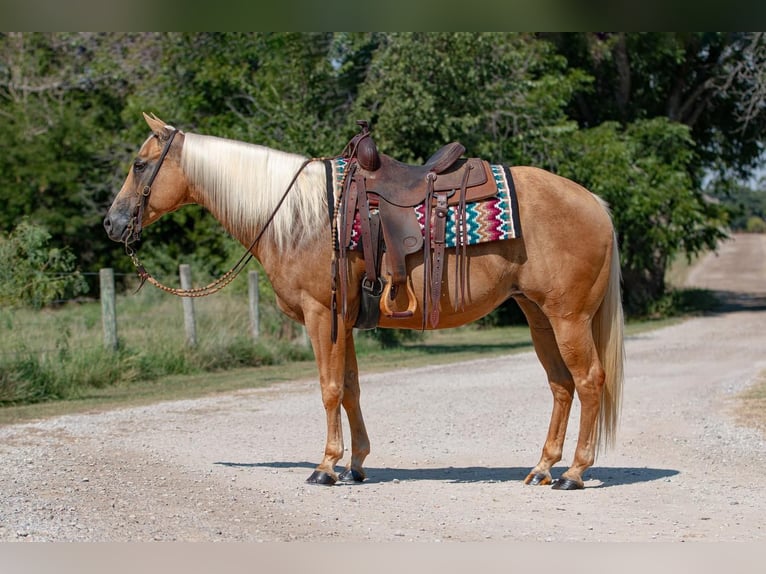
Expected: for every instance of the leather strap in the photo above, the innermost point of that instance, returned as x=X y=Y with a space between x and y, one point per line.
x=430 y=177
x=438 y=240
x=370 y=254
x=328 y=171
x=348 y=210
x=143 y=196
x=461 y=245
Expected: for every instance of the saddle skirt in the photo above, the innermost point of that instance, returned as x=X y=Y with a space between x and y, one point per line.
x=495 y=218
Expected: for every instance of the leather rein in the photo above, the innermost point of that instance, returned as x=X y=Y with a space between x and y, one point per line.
x=135 y=227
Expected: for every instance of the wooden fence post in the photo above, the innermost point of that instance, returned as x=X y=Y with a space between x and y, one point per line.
x=254 y=298
x=188 y=302
x=108 y=313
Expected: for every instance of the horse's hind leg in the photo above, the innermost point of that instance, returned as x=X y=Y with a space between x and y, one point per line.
x=578 y=350
x=562 y=387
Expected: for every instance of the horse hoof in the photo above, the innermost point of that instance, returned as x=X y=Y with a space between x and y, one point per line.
x=321 y=477
x=567 y=484
x=537 y=479
x=351 y=475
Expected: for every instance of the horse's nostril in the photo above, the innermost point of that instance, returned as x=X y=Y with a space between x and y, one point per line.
x=107 y=223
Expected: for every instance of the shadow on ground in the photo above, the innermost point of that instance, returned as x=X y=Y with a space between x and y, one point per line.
x=607 y=476
x=731 y=301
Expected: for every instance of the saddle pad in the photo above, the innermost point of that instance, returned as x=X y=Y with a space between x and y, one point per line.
x=493 y=219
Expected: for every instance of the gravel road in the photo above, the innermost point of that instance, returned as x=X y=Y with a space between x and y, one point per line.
x=451 y=446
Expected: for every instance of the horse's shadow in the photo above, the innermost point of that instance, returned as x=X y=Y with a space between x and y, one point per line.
x=607 y=476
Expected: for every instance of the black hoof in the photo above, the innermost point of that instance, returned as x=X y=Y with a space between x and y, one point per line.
x=351 y=475
x=538 y=479
x=321 y=477
x=567 y=484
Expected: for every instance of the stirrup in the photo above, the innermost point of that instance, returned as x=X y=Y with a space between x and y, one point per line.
x=384 y=302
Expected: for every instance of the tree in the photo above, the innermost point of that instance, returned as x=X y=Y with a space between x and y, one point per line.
x=579 y=104
x=712 y=82
x=643 y=172
x=501 y=95
x=274 y=89
x=59 y=117
x=746 y=205
x=713 y=85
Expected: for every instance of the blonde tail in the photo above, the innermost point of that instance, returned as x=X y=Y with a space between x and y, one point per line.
x=608 y=336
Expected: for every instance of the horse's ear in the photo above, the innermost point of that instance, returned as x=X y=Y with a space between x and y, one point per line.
x=158 y=127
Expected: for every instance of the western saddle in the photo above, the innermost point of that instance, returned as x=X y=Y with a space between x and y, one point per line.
x=390 y=233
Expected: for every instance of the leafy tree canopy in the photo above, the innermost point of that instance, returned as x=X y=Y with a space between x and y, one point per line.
x=640 y=118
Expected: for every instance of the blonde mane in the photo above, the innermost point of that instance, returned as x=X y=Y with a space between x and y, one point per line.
x=242 y=183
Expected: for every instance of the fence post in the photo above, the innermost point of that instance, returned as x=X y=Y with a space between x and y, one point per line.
x=108 y=313
x=188 y=302
x=254 y=298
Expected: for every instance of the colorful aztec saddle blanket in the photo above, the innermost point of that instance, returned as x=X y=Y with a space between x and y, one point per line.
x=493 y=219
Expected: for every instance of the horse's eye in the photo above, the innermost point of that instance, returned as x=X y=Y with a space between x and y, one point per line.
x=139 y=165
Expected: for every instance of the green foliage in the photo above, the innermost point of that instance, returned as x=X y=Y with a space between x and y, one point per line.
x=275 y=89
x=59 y=110
x=746 y=206
x=501 y=95
x=587 y=105
x=390 y=338
x=34 y=273
x=682 y=302
x=642 y=171
x=755 y=225
x=712 y=82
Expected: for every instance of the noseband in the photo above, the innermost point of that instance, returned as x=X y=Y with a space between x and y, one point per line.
x=136 y=223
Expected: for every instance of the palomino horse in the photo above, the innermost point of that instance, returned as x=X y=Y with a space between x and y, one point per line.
x=564 y=273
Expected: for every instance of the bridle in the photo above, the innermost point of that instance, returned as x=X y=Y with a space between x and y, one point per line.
x=135 y=227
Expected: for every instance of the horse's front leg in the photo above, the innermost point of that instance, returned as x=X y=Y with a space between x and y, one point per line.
x=339 y=383
x=360 y=443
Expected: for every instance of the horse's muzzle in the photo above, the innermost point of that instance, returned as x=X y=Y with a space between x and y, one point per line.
x=117 y=227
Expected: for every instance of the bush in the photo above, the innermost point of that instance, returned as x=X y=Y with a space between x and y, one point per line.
x=755 y=225
x=32 y=272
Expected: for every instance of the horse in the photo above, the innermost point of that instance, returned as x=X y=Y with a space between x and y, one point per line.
x=564 y=273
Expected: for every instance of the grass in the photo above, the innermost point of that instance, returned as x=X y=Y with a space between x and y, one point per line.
x=56 y=354
x=52 y=362
x=128 y=389
x=451 y=346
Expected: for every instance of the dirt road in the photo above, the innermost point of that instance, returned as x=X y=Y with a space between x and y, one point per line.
x=450 y=449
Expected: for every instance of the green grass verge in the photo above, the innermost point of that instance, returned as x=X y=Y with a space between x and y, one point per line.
x=54 y=362
x=449 y=346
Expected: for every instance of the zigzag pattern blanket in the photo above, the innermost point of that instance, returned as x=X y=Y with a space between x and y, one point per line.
x=493 y=219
